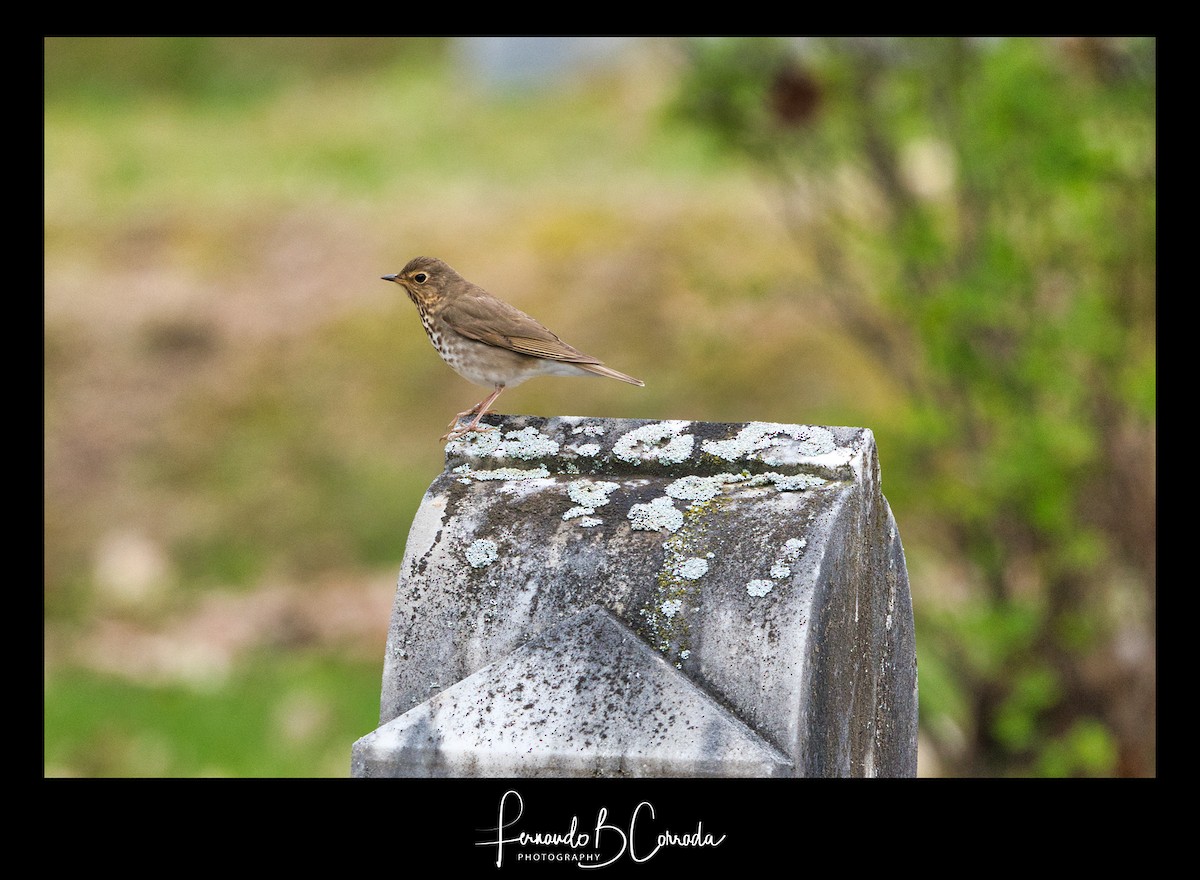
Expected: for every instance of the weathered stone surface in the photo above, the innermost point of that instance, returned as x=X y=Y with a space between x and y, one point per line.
x=757 y=564
x=619 y=709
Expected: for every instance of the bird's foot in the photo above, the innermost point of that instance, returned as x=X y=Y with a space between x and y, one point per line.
x=474 y=426
x=479 y=410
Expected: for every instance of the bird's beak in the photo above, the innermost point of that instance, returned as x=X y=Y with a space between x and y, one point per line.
x=388 y=277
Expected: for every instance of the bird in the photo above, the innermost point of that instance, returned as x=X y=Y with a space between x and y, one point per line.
x=486 y=340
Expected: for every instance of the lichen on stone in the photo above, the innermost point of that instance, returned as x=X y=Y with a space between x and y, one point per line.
x=662 y=441
x=792 y=482
x=588 y=495
x=759 y=587
x=692 y=568
x=695 y=488
x=685 y=561
x=482 y=552
x=585 y=450
x=476 y=444
x=591 y=493
x=792 y=548
x=656 y=515
x=528 y=443
x=505 y=473
x=755 y=440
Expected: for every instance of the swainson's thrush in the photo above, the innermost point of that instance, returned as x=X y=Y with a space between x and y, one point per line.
x=486 y=340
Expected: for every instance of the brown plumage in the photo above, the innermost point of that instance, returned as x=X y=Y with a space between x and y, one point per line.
x=486 y=340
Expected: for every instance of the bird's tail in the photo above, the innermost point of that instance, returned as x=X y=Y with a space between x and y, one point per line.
x=602 y=370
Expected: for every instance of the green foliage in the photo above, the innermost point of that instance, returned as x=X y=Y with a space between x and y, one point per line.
x=725 y=92
x=996 y=252
x=1087 y=749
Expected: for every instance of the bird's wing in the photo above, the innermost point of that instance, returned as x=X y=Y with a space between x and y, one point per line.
x=495 y=322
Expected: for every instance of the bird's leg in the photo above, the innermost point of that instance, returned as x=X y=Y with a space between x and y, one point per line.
x=479 y=410
x=468 y=412
x=475 y=409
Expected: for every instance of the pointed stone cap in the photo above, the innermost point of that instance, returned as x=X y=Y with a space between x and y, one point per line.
x=586 y=698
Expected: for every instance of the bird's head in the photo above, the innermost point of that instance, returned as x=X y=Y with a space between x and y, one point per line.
x=425 y=279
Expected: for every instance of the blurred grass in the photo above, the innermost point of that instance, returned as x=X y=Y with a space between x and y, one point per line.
x=283 y=714
x=232 y=397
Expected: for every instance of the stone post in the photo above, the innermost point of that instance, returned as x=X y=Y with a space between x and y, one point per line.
x=615 y=597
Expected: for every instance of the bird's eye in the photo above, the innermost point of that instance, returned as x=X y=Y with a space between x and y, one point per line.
x=420 y=278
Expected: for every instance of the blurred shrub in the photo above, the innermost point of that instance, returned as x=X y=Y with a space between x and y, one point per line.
x=983 y=216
